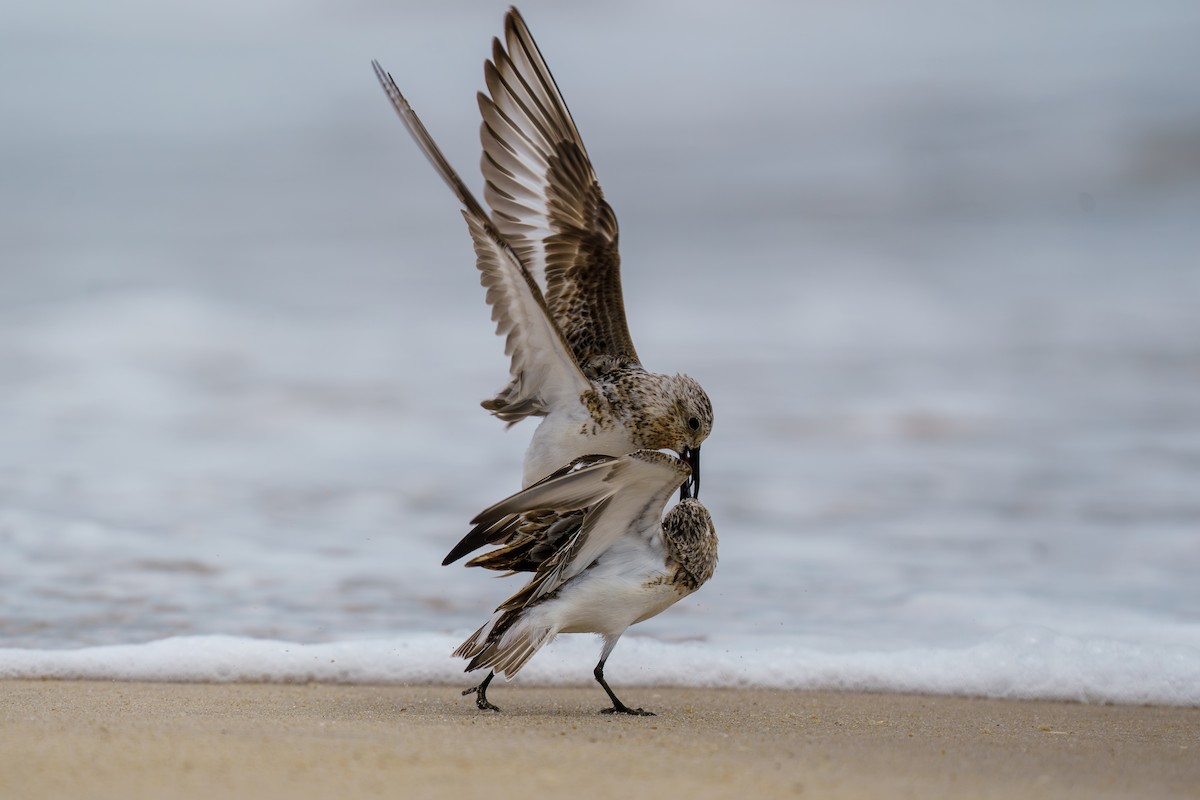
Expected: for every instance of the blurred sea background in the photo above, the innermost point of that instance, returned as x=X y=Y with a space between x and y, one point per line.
x=936 y=263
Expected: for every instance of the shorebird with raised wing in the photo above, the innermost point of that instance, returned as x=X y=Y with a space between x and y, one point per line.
x=602 y=554
x=548 y=258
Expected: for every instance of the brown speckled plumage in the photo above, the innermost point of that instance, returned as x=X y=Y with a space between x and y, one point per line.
x=565 y=233
x=691 y=541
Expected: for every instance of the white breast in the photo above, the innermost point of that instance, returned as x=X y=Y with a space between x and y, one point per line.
x=564 y=436
x=628 y=584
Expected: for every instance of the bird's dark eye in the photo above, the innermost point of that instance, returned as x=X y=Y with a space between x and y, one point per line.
x=694 y=424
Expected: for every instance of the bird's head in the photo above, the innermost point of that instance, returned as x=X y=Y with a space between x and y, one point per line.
x=680 y=420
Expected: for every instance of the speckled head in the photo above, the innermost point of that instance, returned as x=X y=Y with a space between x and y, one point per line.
x=691 y=542
x=670 y=412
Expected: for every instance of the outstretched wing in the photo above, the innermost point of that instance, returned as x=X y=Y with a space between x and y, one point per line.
x=622 y=496
x=543 y=369
x=547 y=203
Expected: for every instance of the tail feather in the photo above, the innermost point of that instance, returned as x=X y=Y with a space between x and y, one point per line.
x=478 y=641
x=505 y=651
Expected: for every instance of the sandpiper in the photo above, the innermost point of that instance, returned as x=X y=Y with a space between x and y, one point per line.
x=548 y=258
x=603 y=558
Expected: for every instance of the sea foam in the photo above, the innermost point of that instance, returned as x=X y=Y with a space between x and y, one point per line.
x=1026 y=662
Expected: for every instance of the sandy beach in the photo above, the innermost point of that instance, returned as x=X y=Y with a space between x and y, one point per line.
x=142 y=740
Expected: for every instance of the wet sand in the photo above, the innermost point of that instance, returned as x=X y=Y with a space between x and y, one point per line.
x=141 y=740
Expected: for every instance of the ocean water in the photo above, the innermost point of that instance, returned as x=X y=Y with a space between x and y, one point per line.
x=938 y=268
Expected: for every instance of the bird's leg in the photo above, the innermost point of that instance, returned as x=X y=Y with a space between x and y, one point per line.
x=480 y=693
x=618 y=706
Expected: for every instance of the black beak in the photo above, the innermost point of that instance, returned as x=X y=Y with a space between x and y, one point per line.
x=691 y=487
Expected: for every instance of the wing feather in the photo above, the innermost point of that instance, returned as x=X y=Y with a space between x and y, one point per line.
x=548 y=202
x=621 y=495
x=543 y=370
x=495 y=524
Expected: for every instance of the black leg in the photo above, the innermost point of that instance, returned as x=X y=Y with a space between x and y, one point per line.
x=618 y=706
x=480 y=693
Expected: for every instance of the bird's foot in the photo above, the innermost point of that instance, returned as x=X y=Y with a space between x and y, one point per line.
x=480 y=698
x=624 y=709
